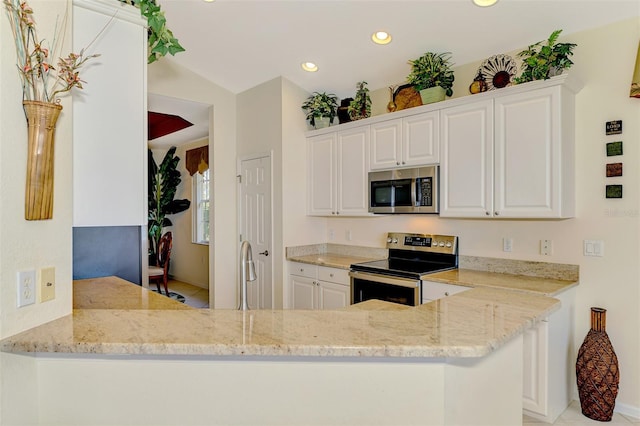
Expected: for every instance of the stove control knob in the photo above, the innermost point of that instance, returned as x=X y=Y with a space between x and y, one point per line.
x=441 y=244
x=389 y=240
x=434 y=243
x=449 y=245
x=395 y=241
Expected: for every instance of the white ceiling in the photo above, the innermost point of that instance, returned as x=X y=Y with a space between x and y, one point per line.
x=239 y=44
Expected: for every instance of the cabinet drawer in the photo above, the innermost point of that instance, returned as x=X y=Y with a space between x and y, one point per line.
x=304 y=270
x=435 y=291
x=334 y=275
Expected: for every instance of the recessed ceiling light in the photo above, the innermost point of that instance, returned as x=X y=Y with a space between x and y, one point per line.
x=484 y=3
x=381 y=37
x=209 y=1
x=309 y=66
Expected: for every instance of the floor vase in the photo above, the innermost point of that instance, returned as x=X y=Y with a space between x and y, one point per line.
x=597 y=371
x=41 y=121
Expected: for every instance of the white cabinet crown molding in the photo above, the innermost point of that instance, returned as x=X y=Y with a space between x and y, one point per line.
x=123 y=11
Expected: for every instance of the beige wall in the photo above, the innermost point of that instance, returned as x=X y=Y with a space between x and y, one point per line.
x=167 y=78
x=32 y=244
x=604 y=61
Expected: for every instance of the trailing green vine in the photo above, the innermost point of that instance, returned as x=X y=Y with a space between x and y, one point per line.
x=160 y=39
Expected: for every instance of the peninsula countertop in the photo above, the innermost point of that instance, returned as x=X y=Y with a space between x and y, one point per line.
x=468 y=324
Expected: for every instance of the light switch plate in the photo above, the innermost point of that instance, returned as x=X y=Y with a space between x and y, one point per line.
x=593 y=248
x=47 y=284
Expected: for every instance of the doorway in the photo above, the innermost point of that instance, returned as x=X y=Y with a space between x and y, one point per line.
x=256 y=225
x=192 y=253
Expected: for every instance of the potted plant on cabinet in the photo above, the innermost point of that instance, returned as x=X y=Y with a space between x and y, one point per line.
x=432 y=76
x=541 y=61
x=321 y=108
x=360 y=106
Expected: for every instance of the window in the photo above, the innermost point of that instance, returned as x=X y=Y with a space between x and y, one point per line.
x=201 y=210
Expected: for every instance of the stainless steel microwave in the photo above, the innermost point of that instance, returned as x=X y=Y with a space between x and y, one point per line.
x=404 y=190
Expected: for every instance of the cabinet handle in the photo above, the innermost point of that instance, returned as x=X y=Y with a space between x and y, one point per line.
x=397 y=163
x=446 y=293
x=331 y=275
x=497 y=213
x=404 y=162
x=337 y=212
x=301 y=269
x=486 y=213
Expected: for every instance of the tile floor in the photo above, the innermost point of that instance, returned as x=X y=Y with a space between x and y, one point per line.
x=196 y=297
x=574 y=417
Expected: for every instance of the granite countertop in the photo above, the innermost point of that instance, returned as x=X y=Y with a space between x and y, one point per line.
x=522 y=283
x=540 y=278
x=114 y=292
x=468 y=324
x=341 y=261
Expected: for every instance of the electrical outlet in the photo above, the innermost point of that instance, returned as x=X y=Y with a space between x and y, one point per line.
x=26 y=287
x=47 y=284
x=507 y=244
x=546 y=247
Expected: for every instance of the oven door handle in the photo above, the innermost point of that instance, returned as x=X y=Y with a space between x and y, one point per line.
x=385 y=279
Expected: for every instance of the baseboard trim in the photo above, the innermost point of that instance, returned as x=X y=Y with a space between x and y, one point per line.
x=627 y=410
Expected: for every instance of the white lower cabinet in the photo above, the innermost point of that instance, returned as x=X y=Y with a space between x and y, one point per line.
x=434 y=291
x=318 y=287
x=548 y=360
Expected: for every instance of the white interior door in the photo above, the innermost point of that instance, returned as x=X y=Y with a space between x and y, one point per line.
x=255 y=227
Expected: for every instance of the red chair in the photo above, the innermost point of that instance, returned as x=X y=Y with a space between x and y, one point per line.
x=159 y=273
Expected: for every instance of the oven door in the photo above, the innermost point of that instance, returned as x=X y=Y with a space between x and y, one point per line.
x=366 y=286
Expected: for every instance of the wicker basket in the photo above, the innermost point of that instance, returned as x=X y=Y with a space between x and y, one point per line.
x=597 y=371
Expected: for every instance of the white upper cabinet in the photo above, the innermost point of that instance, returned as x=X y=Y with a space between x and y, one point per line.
x=466 y=171
x=403 y=142
x=510 y=156
x=338 y=170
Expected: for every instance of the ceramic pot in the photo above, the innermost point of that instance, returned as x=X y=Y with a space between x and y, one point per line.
x=321 y=122
x=597 y=371
x=41 y=121
x=432 y=94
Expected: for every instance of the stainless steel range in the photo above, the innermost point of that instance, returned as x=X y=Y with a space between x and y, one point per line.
x=398 y=279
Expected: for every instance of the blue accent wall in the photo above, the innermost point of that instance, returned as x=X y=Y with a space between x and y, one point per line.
x=107 y=250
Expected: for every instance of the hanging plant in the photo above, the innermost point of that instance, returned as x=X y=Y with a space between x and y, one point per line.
x=160 y=39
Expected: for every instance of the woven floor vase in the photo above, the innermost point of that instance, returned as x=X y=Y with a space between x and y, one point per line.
x=41 y=121
x=597 y=371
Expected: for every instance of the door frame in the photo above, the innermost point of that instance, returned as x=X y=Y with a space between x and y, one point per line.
x=239 y=221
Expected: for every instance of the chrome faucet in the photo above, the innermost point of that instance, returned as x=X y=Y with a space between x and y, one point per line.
x=247 y=273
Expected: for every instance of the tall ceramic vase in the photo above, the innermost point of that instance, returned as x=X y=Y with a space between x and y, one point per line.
x=41 y=120
x=597 y=370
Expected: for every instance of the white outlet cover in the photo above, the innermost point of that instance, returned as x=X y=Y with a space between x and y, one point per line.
x=26 y=287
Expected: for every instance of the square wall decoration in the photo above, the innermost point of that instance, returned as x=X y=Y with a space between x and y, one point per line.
x=614 y=191
x=614 y=148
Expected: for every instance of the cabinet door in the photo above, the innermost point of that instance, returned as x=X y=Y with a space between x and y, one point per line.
x=466 y=167
x=322 y=174
x=535 y=369
x=303 y=292
x=421 y=139
x=385 y=144
x=332 y=295
x=353 y=170
x=528 y=154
